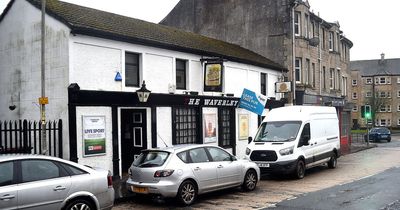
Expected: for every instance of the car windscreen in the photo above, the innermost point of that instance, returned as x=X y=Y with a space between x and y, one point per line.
x=278 y=131
x=149 y=159
x=380 y=130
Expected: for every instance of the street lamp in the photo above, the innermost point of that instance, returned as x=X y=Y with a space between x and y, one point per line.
x=143 y=94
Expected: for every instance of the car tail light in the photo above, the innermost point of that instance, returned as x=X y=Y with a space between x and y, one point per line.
x=109 y=181
x=163 y=173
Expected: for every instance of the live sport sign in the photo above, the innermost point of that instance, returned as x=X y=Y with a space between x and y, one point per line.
x=94 y=135
x=252 y=101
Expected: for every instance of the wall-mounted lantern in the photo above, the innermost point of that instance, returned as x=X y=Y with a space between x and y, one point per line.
x=143 y=94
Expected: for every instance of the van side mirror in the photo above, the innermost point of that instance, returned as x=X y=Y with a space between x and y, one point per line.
x=250 y=139
x=305 y=140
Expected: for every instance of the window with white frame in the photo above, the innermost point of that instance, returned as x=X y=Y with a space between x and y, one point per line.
x=181 y=74
x=398 y=93
x=331 y=76
x=368 y=81
x=389 y=123
x=306 y=26
x=297 y=21
x=389 y=108
x=307 y=72
x=382 y=80
x=389 y=80
x=398 y=121
x=382 y=94
x=398 y=108
x=330 y=41
x=382 y=108
x=344 y=90
x=368 y=94
x=389 y=94
x=297 y=69
x=355 y=108
x=369 y=121
x=354 y=82
x=354 y=96
x=382 y=122
x=398 y=79
x=338 y=80
x=132 y=69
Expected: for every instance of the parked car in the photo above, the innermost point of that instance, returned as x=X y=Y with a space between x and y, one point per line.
x=186 y=171
x=43 y=182
x=379 y=133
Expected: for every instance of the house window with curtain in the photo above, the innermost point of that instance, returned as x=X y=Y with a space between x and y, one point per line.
x=263 y=82
x=297 y=69
x=132 y=69
x=180 y=74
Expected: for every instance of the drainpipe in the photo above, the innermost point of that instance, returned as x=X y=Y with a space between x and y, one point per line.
x=320 y=57
x=294 y=52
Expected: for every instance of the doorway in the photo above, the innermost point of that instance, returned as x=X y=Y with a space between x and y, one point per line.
x=133 y=135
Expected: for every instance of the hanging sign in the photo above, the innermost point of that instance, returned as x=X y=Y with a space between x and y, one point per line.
x=252 y=101
x=213 y=77
x=94 y=135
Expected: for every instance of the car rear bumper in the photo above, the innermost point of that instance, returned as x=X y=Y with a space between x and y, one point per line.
x=163 y=188
x=106 y=199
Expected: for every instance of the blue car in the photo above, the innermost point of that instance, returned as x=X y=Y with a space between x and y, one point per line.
x=379 y=133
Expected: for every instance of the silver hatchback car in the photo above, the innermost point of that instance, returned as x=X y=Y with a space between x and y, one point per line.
x=41 y=182
x=185 y=171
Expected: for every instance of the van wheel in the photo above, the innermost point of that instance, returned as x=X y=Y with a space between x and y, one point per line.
x=300 y=170
x=250 y=181
x=332 y=163
x=187 y=193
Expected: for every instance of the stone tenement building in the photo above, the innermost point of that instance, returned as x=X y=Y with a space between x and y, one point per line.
x=376 y=83
x=315 y=51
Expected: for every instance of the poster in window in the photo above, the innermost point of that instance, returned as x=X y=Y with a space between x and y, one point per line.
x=243 y=126
x=94 y=135
x=210 y=128
x=213 y=77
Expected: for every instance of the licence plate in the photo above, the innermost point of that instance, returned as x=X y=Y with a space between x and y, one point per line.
x=384 y=136
x=143 y=190
x=263 y=165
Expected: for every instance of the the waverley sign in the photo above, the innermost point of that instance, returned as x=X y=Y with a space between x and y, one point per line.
x=252 y=101
x=211 y=102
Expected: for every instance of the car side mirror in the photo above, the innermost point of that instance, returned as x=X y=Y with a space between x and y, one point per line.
x=250 y=139
x=233 y=158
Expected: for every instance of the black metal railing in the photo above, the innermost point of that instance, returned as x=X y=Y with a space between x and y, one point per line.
x=23 y=136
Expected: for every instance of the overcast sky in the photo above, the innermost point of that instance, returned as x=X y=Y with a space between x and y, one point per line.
x=370 y=24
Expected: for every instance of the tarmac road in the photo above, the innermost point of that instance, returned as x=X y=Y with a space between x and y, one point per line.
x=272 y=190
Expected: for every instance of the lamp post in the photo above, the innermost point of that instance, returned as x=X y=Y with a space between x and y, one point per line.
x=143 y=94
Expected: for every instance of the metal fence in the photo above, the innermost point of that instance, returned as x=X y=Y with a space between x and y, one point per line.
x=23 y=136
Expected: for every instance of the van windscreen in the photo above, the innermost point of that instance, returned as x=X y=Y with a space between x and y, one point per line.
x=278 y=131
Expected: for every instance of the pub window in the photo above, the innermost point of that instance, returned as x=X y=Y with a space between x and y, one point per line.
x=180 y=74
x=185 y=127
x=226 y=126
x=264 y=84
x=132 y=69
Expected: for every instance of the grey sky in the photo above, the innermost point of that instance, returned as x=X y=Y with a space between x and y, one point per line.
x=371 y=25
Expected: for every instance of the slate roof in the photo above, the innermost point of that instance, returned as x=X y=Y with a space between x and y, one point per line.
x=92 y=22
x=377 y=67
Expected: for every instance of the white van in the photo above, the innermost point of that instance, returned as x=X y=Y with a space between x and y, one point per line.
x=294 y=138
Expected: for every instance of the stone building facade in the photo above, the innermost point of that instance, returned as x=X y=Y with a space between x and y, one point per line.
x=376 y=83
x=315 y=51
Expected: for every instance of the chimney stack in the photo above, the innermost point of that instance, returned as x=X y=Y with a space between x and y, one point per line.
x=382 y=56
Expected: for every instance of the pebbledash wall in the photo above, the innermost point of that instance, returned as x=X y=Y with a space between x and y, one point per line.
x=92 y=63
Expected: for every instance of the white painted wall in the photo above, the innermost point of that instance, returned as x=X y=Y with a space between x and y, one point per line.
x=20 y=66
x=164 y=126
x=102 y=161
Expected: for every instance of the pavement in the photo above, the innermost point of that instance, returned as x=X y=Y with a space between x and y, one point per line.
x=122 y=194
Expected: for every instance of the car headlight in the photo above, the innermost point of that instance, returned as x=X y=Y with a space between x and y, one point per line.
x=286 y=151
x=248 y=151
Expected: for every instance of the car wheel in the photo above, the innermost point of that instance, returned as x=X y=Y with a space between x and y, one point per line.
x=187 y=193
x=300 y=170
x=332 y=163
x=250 y=180
x=389 y=140
x=79 y=205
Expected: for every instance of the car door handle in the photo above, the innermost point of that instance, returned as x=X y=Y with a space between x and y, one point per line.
x=220 y=166
x=59 y=188
x=7 y=197
x=197 y=169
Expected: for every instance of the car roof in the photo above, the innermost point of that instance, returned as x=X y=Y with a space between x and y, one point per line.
x=179 y=148
x=9 y=157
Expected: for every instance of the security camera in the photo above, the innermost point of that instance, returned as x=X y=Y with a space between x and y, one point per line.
x=12 y=107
